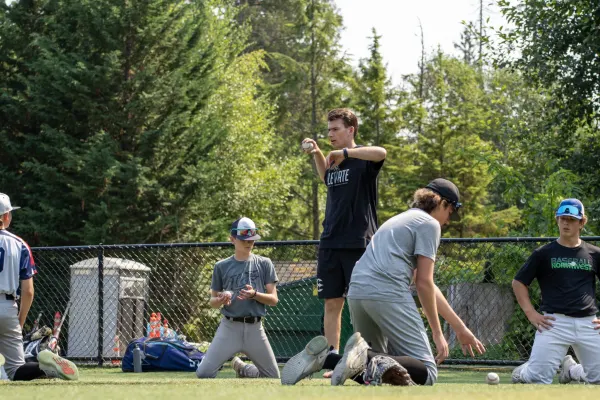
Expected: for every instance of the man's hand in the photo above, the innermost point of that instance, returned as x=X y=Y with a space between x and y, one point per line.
x=224 y=298
x=442 y=348
x=334 y=158
x=310 y=150
x=540 y=321
x=247 y=293
x=597 y=323
x=468 y=341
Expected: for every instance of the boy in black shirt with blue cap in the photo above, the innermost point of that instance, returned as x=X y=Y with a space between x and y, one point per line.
x=566 y=270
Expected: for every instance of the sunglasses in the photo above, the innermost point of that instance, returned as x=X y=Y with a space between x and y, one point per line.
x=570 y=210
x=455 y=205
x=246 y=232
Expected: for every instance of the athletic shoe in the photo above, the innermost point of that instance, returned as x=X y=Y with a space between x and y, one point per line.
x=565 y=375
x=57 y=367
x=238 y=366
x=3 y=376
x=305 y=363
x=353 y=362
x=384 y=369
x=516 y=374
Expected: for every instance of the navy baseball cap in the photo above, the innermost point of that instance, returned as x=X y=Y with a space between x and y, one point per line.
x=447 y=190
x=244 y=229
x=570 y=208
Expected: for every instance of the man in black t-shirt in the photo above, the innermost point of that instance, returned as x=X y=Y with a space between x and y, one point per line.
x=566 y=270
x=350 y=173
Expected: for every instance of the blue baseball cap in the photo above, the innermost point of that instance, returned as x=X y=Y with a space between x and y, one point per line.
x=244 y=229
x=570 y=208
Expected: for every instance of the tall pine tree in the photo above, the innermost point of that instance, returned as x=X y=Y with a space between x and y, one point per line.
x=113 y=110
x=307 y=76
x=379 y=106
x=451 y=144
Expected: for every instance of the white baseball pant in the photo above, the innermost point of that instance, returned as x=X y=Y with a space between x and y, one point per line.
x=11 y=336
x=235 y=337
x=550 y=346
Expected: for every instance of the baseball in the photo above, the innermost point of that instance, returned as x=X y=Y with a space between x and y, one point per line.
x=307 y=146
x=492 y=378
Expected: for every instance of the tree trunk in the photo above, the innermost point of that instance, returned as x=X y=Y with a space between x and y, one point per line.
x=313 y=123
x=421 y=76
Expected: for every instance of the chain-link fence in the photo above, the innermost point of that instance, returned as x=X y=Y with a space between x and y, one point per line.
x=110 y=292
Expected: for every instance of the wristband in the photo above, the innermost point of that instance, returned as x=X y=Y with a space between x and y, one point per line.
x=345 y=153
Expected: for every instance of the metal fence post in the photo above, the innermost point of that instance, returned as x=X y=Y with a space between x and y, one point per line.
x=100 y=304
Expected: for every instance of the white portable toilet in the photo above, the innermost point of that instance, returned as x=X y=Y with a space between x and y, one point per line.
x=125 y=293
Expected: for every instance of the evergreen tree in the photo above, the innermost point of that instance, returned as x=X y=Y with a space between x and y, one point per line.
x=451 y=144
x=467 y=45
x=306 y=77
x=115 y=109
x=378 y=106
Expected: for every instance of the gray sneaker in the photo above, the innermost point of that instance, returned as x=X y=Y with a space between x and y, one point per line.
x=353 y=362
x=3 y=376
x=565 y=375
x=57 y=367
x=305 y=363
x=238 y=366
x=516 y=374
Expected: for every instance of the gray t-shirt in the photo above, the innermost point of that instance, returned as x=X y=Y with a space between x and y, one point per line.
x=231 y=274
x=385 y=270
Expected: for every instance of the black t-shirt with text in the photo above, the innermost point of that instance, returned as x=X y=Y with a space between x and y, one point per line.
x=567 y=278
x=350 y=213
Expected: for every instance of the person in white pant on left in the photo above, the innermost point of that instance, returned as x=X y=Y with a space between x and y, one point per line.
x=566 y=270
x=17 y=270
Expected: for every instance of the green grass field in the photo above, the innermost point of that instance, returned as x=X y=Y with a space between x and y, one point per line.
x=111 y=383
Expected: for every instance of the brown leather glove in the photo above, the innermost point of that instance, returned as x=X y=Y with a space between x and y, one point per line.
x=397 y=376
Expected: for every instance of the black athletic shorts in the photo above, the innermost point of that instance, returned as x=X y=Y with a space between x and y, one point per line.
x=334 y=270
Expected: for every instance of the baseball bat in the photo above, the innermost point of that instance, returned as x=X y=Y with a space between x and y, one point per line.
x=57 y=328
x=36 y=323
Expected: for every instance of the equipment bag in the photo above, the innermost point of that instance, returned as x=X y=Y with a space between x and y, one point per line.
x=163 y=354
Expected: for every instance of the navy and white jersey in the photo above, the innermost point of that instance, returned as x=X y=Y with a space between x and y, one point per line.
x=16 y=263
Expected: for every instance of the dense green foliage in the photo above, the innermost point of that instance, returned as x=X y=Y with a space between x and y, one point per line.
x=134 y=122
x=553 y=45
x=162 y=121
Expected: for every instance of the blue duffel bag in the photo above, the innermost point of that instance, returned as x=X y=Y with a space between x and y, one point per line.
x=163 y=354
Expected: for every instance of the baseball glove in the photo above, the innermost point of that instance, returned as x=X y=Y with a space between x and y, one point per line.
x=36 y=341
x=384 y=369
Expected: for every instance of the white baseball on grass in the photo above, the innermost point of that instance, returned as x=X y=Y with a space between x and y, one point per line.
x=307 y=146
x=492 y=378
